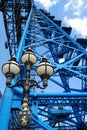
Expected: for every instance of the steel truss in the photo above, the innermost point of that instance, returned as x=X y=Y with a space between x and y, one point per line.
x=37 y=29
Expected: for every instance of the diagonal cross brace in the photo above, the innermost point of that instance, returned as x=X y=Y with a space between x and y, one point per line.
x=41 y=123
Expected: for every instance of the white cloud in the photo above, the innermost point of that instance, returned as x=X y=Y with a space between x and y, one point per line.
x=76 y=6
x=47 y=3
x=79 y=25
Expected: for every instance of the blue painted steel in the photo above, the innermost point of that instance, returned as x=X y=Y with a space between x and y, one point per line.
x=44 y=36
x=35 y=107
x=74 y=42
x=22 y=41
x=41 y=123
x=65 y=94
x=52 y=99
x=5 y=111
x=57 y=112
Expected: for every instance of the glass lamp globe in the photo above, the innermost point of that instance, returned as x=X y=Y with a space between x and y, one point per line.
x=10 y=69
x=29 y=58
x=44 y=70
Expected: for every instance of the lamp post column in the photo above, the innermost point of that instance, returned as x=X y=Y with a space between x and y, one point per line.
x=24 y=115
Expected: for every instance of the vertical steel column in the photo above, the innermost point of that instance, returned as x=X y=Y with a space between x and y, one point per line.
x=22 y=41
x=35 y=107
x=5 y=111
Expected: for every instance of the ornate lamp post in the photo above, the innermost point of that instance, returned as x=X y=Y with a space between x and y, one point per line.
x=12 y=68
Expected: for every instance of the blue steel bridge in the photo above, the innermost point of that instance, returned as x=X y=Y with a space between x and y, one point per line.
x=29 y=27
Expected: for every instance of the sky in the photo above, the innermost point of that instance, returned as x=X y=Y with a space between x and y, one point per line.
x=72 y=13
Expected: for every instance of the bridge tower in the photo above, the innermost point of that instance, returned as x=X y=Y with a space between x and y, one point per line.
x=63 y=103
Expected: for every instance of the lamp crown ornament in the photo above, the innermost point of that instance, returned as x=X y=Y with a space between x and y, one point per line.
x=44 y=59
x=13 y=58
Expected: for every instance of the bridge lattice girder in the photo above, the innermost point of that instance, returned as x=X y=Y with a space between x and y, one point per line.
x=45 y=35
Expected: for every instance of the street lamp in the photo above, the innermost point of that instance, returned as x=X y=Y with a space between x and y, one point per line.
x=12 y=68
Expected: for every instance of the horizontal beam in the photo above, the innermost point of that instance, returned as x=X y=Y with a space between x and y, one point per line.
x=83 y=94
x=19 y=92
x=65 y=99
